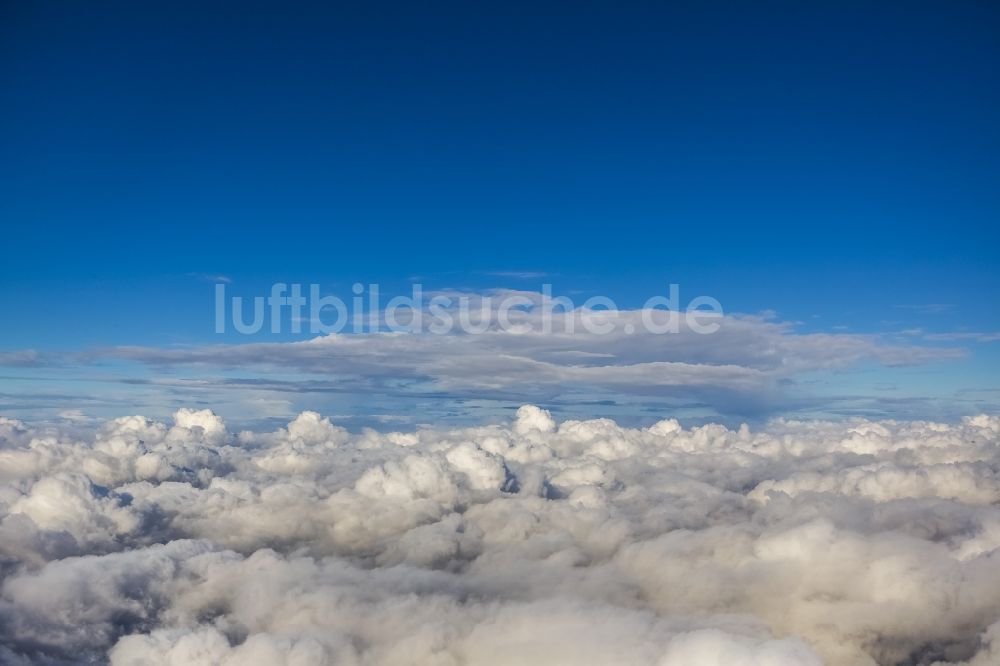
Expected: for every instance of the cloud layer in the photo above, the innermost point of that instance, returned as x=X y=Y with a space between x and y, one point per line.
x=750 y=368
x=847 y=543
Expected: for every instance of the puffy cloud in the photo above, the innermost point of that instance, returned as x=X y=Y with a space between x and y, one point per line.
x=210 y=647
x=73 y=503
x=805 y=542
x=533 y=419
x=989 y=653
x=711 y=647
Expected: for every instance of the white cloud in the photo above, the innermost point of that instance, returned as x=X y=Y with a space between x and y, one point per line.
x=805 y=542
x=974 y=336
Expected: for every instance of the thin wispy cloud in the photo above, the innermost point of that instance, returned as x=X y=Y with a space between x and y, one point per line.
x=21 y=358
x=969 y=336
x=520 y=275
x=929 y=308
x=217 y=278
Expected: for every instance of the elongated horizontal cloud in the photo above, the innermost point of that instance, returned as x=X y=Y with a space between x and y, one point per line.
x=745 y=367
x=850 y=543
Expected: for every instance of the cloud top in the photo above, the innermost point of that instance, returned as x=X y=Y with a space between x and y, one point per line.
x=135 y=542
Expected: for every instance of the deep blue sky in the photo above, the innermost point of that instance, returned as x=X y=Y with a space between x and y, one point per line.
x=828 y=161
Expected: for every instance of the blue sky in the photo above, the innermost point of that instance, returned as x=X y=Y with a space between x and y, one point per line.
x=833 y=165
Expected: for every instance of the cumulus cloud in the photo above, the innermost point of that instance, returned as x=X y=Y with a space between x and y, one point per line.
x=135 y=542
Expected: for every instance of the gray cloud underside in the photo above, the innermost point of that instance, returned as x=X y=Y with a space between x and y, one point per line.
x=745 y=367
